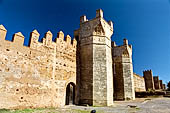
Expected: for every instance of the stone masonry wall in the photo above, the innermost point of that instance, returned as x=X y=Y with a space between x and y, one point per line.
x=38 y=75
x=96 y=80
x=149 y=82
x=123 y=71
x=156 y=82
x=139 y=83
x=164 y=86
x=35 y=76
x=161 y=84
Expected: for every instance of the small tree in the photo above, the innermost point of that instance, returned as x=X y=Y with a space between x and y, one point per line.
x=168 y=86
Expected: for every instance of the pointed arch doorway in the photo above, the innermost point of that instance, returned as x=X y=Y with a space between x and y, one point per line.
x=70 y=94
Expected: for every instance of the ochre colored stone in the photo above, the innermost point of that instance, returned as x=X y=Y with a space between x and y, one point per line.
x=35 y=76
x=90 y=69
x=139 y=83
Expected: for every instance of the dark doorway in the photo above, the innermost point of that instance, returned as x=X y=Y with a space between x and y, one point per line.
x=70 y=94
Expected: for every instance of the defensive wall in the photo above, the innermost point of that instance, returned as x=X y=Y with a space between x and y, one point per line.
x=139 y=83
x=37 y=75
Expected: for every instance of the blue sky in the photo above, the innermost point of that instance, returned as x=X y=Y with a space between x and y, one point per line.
x=145 y=23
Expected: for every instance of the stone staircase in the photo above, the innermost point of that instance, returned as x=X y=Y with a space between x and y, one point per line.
x=167 y=94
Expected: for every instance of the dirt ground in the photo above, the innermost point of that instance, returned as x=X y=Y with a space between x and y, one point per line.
x=140 y=105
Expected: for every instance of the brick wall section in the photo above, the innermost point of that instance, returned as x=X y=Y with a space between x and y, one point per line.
x=35 y=76
x=149 y=83
x=123 y=71
x=156 y=82
x=139 y=83
x=95 y=61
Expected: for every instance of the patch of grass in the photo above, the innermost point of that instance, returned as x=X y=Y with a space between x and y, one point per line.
x=81 y=111
x=137 y=108
x=4 y=110
x=46 y=110
x=24 y=111
x=98 y=106
x=40 y=109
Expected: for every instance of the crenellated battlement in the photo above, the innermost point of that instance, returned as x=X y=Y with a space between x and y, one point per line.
x=149 y=81
x=124 y=50
x=123 y=75
x=147 y=71
x=3 y=32
x=2 y=28
x=47 y=42
x=18 y=38
x=53 y=72
x=49 y=65
x=125 y=44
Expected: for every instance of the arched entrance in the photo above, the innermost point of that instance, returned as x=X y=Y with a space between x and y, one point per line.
x=70 y=94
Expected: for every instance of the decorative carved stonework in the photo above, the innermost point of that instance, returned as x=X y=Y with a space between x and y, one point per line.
x=125 y=53
x=99 y=30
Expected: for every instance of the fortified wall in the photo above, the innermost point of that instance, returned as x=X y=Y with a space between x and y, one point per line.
x=149 y=82
x=123 y=71
x=52 y=74
x=164 y=86
x=152 y=82
x=156 y=82
x=90 y=69
x=161 y=84
x=37 y=75
x=139 y=83
x=94 y=48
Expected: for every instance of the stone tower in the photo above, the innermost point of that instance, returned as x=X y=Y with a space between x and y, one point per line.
x=123 y=71
x=149 y=82
x=95 y=73
x=156 y=82
x=161 y=84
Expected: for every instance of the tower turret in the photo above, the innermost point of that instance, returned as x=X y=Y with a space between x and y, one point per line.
x=149 y=82
x=123 y=71
x=94 y=42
